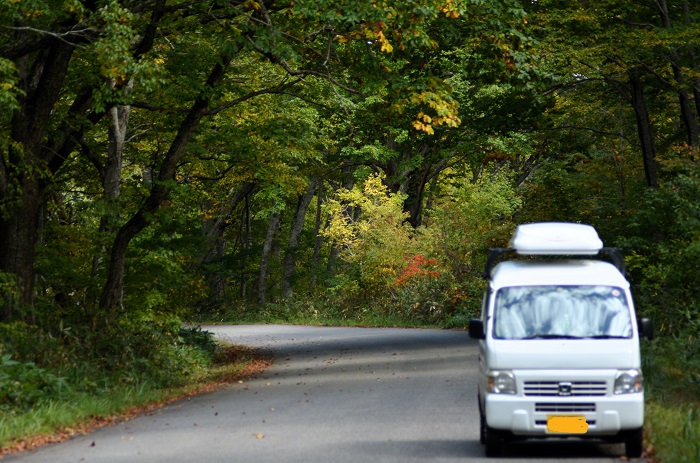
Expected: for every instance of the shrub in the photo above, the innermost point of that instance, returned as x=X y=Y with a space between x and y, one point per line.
x=368 y=223
x=23 y=384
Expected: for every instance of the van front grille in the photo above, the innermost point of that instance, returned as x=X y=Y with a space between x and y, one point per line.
x=565 y=388
x=564 y=407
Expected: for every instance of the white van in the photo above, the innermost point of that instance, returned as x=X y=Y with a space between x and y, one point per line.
x=559 y=341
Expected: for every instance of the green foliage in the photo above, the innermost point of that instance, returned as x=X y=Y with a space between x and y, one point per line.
x=383 y=265
x=9 y=92
x=55 y=377
x=661 y=238
x=57 y=360
x=8 y=288
x=678 y=381
x=432 y=274
x=675 y=431
x=466 y=219
x=323 y=309
x=24 y=385
x=83 y=409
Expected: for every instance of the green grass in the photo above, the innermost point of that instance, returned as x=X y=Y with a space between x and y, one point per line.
x=49 y=419
x=55 y=420
x=672 y=370
x=674 y=431
x=308 y=313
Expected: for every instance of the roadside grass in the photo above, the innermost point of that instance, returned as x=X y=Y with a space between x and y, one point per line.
x=672 y=376
x=303 y=312
x=80 y=412
x=674 y=432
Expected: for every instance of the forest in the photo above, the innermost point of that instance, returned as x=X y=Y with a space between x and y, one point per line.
x=168 y=162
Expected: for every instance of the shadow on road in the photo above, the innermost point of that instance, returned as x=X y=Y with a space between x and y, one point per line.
x=569 y=449
x=472 y=451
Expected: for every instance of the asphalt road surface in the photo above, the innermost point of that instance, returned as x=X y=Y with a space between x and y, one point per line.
x=332 y=395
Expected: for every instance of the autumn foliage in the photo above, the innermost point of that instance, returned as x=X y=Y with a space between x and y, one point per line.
x=418 y=267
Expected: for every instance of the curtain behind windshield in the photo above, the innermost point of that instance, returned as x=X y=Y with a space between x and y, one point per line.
x=561 y=311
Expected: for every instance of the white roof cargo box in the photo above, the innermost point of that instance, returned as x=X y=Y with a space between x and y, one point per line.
x=551 y=238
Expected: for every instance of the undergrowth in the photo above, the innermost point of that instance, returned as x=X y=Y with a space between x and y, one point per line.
x=327 y=311
x=672 y=375
x=52 y=387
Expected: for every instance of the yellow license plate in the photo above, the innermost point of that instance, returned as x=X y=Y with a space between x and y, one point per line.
x=567 y=424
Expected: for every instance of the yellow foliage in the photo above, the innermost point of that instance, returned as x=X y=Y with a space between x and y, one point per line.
x=385 y=45
x=252 y=5
x=446 y=111
x=368 y=223
x=427 y=128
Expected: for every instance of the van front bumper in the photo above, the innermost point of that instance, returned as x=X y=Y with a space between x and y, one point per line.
x=605 y=416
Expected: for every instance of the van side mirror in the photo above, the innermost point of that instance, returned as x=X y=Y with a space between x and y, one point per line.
x=476 y=329
x=646 y=328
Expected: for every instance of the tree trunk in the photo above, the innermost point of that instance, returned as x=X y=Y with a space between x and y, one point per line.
x=687 y=116
x=290 y=255
x=348 y=184
x=272 y=226
x=42 y=74
x=644 y=128
x=214 y=229
x=688 y=20
x=22 y=167
x=111 y=175
x=111 y=179
x=246 y=243
x=114 y=286
x=318 y=239
x=415 y=189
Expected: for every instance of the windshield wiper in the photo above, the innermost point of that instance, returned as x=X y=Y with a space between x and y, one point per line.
x=552 y=336
x=607 y=336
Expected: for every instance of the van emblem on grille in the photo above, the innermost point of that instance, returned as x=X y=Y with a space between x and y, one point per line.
x=565 y=388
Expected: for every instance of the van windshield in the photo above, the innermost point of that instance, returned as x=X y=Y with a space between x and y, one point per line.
x=561 y=312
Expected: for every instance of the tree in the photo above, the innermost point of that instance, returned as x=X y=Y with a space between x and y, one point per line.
x=639 y=52
x=483 y=48
x=74 y=63
x=46 y=124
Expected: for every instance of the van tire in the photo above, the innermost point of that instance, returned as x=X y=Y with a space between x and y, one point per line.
x=482 y=427
x=493 y=441
x=634 y=443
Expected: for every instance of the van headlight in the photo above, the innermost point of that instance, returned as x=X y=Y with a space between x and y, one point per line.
x=628 y=382
x=501 y=382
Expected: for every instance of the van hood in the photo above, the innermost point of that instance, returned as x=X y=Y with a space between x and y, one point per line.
x=563 y=354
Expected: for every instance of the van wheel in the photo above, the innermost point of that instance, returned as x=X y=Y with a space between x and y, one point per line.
x=634 y=443
x=493 y=441
x=482 y=428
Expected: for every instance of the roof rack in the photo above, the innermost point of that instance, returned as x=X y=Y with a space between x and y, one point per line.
x=614 y=254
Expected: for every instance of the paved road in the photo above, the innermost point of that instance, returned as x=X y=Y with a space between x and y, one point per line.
x=332 y=395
